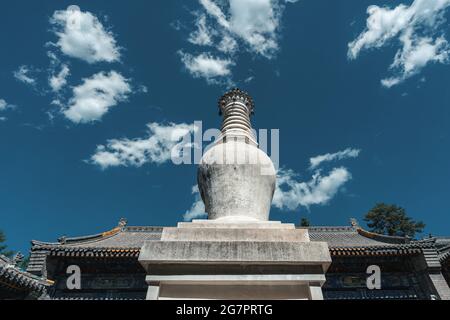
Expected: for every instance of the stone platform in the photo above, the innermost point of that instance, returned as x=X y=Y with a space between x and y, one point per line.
x=210 y=259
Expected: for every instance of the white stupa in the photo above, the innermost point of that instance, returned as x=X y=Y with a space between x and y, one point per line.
x=236 y=179
x=237 y=253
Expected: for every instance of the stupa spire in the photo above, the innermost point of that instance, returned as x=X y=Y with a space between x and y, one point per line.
x=236 y=107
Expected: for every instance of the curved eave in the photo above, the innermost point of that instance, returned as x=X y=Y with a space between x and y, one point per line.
x=76 y=240
x=21 y=280
x=354 y=238
x=383 y=238
x=73 y=242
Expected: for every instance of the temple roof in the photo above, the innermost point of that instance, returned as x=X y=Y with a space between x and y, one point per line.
x=353 y=240
x=14 y=279
x=352 y=236
x=119 y=242
x=127 y=241
x=126 y=237
x=133 y=237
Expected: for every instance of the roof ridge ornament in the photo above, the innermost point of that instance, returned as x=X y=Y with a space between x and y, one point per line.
x=122 y=223
x=18 y=258
x=354 y=223
x=62 y=240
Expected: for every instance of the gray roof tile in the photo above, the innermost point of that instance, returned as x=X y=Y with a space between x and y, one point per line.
x=350 y=237
x=12 y=275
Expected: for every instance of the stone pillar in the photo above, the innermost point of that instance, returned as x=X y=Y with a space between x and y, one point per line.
x=435 y=276
x=153 y=292
x=440 y=285
x=315 y=292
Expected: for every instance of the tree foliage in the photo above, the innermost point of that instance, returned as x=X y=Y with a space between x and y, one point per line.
x=305 y=222
x=8 y=253
x=3 y=246
x=392 y=220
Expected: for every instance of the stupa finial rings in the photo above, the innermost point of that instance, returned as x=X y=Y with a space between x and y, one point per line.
x=236 y=95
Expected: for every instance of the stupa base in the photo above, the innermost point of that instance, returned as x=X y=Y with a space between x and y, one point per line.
x=216 y=260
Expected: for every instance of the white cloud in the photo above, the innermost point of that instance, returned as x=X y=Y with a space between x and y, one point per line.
x=225 y=26
x=228 y=45
x=143 y=89
x=415 y=26
x=207 y=66
x=256 y=22
x=347 y=153
x=157 y=147
x=197 y=209
x=22 y=74
x=95 y=96
x=81 y=35
x=5 y=105
x=214 y=10
x=416 y=54
x=202 y=36
x=291 y=193
x=249 y=79
x=58 y=81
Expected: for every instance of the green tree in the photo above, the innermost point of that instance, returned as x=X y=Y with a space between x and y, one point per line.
x=392 y=220
x=23 y=263
x=3 y=246
x=305 y=222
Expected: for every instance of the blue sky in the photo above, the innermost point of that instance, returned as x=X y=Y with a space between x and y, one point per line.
x=87 y=117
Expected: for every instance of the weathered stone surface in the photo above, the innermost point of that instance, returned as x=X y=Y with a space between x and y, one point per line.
x=236 y=224
x=239 y=279
x=260 y=252
x=236 y=179
x=235 y=234
x=234 y=292
x=230 y=191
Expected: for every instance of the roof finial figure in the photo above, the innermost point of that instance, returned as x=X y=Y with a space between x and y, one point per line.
x=354 y=222
x=122 y=223
x=62 y=240
x=18 y=258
